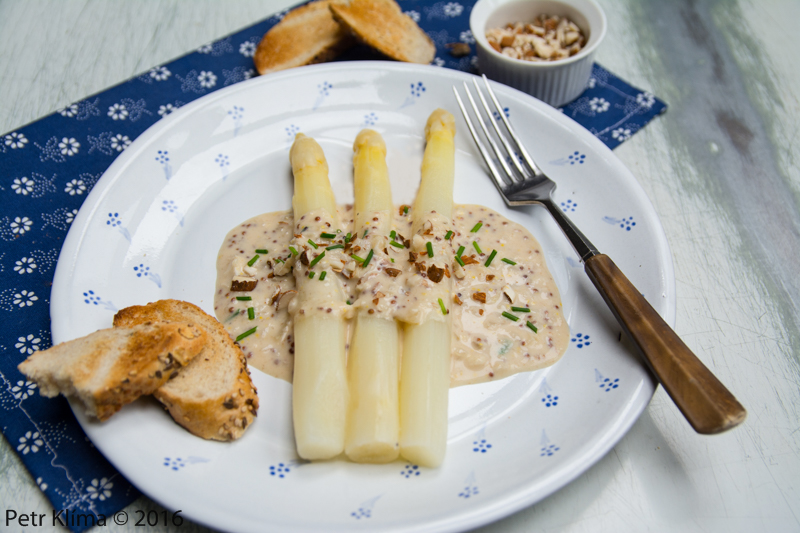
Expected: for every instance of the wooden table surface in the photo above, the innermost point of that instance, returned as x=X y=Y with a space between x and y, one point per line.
x=721 y=168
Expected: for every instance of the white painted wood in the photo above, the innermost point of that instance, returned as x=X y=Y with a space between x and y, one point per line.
x=737 y=304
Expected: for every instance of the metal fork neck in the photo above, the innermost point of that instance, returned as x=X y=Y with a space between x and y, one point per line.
x=583 y=246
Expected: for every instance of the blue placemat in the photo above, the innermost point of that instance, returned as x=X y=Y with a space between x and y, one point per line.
x=49 y=166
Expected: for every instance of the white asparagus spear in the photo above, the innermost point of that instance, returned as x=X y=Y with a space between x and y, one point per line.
x=425 y=371
x=319 y=395
x=372 y=366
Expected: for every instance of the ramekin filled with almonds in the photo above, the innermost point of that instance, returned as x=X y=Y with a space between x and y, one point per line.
x=542 y=47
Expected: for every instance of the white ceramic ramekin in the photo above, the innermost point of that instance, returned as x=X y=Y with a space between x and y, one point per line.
x=553 y=82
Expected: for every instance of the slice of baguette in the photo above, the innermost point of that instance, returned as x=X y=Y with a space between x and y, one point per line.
x=382 y=25
x=306 y=35
x=213 y=397
x=113 y=367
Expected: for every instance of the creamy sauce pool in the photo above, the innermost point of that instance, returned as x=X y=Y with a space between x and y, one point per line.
x=486 y=345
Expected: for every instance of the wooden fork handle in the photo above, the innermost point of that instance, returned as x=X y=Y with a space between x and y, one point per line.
x=704 y=401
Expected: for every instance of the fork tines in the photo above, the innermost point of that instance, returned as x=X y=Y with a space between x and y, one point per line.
x=512 y=151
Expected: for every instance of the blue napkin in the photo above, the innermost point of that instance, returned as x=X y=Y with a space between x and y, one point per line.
x=48 y=167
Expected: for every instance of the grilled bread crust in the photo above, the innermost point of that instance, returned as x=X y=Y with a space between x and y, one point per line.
x=113 y=367
x=213 y=397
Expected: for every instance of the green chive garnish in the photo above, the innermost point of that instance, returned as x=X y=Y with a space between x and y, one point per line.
x=359 y=259
x=316 y=259
x=246 y=333
x=311 y=275
x=491 y=258
x=251 y=313
x=449 y=234
x=368 y=259
x=293 y=250
x=335 y=247
x=279 y=260
x=510 y=316
x=528 y=323
x=262 y=251
x=327 y=235
x=443 y=308
x=397 y=244
x=460 y=251
x=509 y=261
x=429 y=247
x=348 y=302
x=253 y=260
x=393 y=234
x=459 y=261
x=477 y=248
x=244 y=298
x=476 y=227
x=348 y=237
x=521 y=309
x=234 y=315
x=312 y=243
x=365 y=234
x=323 y=274
x=405 y=209
x=391 y=259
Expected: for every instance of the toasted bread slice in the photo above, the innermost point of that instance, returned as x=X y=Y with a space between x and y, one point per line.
x=382 y=25
x=113 y=367
x=306 y=35
x=213 y=397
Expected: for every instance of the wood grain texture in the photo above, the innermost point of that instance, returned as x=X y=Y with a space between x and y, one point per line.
x=737 y=303
x=705 y=402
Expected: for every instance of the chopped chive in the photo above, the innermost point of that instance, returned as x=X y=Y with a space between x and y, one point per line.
x=335 y=247
x=391 y=259
x=405 y=209
x=244 y=298
x=338 y=231
x=509 y=261
x=359 y=259
x=279 y=260
x=327 y=235
x=348 y=237
x=253 y=260
x=449 y=234
x=429 y=247
x=311 y=275
x=393 y=234
x=397 y=244
x=443 y=308
x=246 y=333
x=476 y=227
x=312 y=243
x=262 y=251
x=348 y=302
x=323 y=274
x=477 y=248
x=460 y=251
x=491 y=258
x=234 y=315
x=532 y=326
x=368 y=259
x=316 y=259
x=459 y=261
x=293 y=250
x=365 y=234
x=521 y=309
x=510 y=316
x=251 y=313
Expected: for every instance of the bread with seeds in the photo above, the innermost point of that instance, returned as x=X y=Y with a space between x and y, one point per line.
x=112 y=367
x=382 y=25
x=213 y=397
x=306 y=35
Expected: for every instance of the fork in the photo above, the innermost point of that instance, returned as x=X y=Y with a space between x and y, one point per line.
x=705 y=402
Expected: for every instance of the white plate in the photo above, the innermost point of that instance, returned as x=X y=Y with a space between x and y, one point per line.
x=151 y=229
